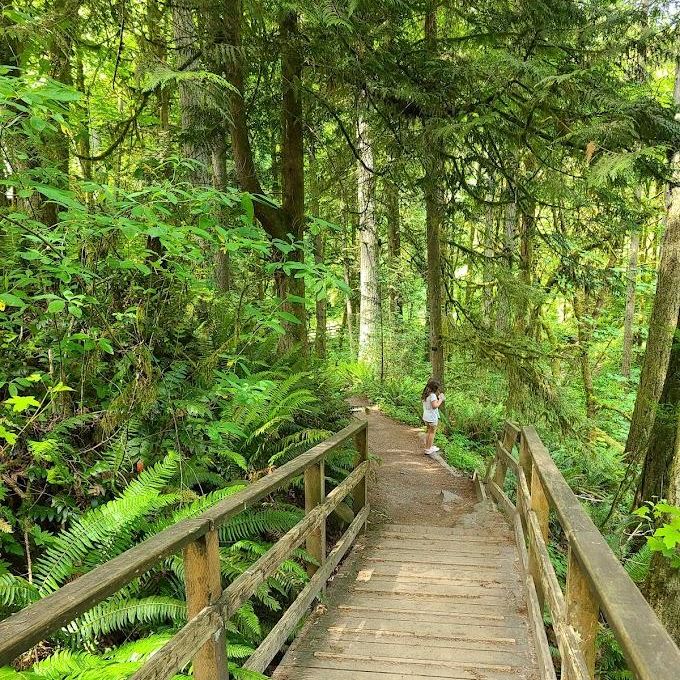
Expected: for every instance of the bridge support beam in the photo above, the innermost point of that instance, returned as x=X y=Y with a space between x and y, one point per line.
x=582 y=612
x=315 y=494
x=203 y=583
x=541 y=506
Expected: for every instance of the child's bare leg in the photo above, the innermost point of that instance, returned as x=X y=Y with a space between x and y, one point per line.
x=429 y=437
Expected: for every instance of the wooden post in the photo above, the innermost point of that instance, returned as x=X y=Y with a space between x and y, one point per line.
x=582 y=612
x=360 y=493
x=203 y=585
x=501 y=469
x=315 y=493
x=525 y=461
x=540 y=505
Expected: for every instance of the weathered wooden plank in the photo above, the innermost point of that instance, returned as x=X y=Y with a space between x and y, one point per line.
x=540 y=506
x=546 y=668
x=368 y=609
x=397 y=602
x=479 y=486
x=341 y=634
x=412 y=557
x=476 y=540
x=507 y=458
x=649 y=650
x=498 y=530
x=366 y=654
x=415 y=624
x=442 y=591
x=203 y=584
x=270 y=646
x=504 y=503
x=582 y=613
x=461 y=547
x=23 y=630
x=360 y=494
x=550 y=586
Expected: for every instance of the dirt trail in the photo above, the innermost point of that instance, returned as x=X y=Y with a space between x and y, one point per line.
x=408 y=487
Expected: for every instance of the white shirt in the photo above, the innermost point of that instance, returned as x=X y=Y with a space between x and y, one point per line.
x=430 y=414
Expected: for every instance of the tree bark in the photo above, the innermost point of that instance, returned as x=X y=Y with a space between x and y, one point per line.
x=433 y=219
x=194 y=146
x=394 y=248
x=369 y=306
x=291 y=289
x=277 y=222
x=221 y=183
x=661 y=480
x=663 y=318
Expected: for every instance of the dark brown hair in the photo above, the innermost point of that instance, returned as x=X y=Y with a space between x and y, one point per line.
x=433 y=386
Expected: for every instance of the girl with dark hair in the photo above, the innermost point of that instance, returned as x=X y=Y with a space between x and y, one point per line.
x=432 y=399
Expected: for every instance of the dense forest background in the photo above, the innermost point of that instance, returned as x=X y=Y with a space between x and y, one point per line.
x=217 y=220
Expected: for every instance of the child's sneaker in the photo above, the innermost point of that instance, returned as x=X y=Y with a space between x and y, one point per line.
x=434 y=449
x=430 y=451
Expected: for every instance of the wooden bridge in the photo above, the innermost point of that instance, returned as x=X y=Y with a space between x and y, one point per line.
x=466 y=598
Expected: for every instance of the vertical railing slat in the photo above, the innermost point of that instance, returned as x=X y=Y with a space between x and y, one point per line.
x=315 y=493
x=203 y=584
x=582 y=612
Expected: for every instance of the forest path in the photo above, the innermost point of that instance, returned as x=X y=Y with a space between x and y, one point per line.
x=433 y=589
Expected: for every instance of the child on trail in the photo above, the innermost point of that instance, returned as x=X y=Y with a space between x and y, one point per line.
x=432 y=399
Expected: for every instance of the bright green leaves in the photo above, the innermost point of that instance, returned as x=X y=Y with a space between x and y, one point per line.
x=56 y=306
x=19 y=404
x=666 y=538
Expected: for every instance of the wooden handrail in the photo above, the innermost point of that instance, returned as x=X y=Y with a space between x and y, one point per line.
x=202 y=637
x=596 y=580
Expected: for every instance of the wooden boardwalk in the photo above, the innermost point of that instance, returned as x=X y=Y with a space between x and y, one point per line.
x=414 y=600
x=420 y=602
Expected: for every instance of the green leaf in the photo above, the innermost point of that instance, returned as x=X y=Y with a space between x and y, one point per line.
x=105 y=345
x=19 y=404
x=56 y=306
x=248 y=206
x=12 y=300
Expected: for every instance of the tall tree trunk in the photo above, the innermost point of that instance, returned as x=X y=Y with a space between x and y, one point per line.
x=394 y=248
x=278 y=223
x=509 y=235
x=663 y=317
x=627 y=358
x=584 y=332
x=292 y=289
x=661 y=480
x=319 y=254
x=489 y=235
x=369 y=306
x=433 y=219
x=221 y=183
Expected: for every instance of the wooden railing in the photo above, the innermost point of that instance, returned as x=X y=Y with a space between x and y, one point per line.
x=596 y=582
x=209 y=608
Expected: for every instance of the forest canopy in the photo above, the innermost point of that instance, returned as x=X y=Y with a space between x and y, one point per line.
x=220 y=219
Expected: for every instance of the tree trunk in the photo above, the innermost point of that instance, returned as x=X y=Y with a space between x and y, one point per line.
x=433 y=219
x=220 y=182
x=394 y=248
x=584 y=331
x=663 y=318
x=489 y=234
x=319 y=254
x=661 y=480
x=292 y=288
x=654 y=482
x=194 y=146
x=369 y=306
x=627 y=358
